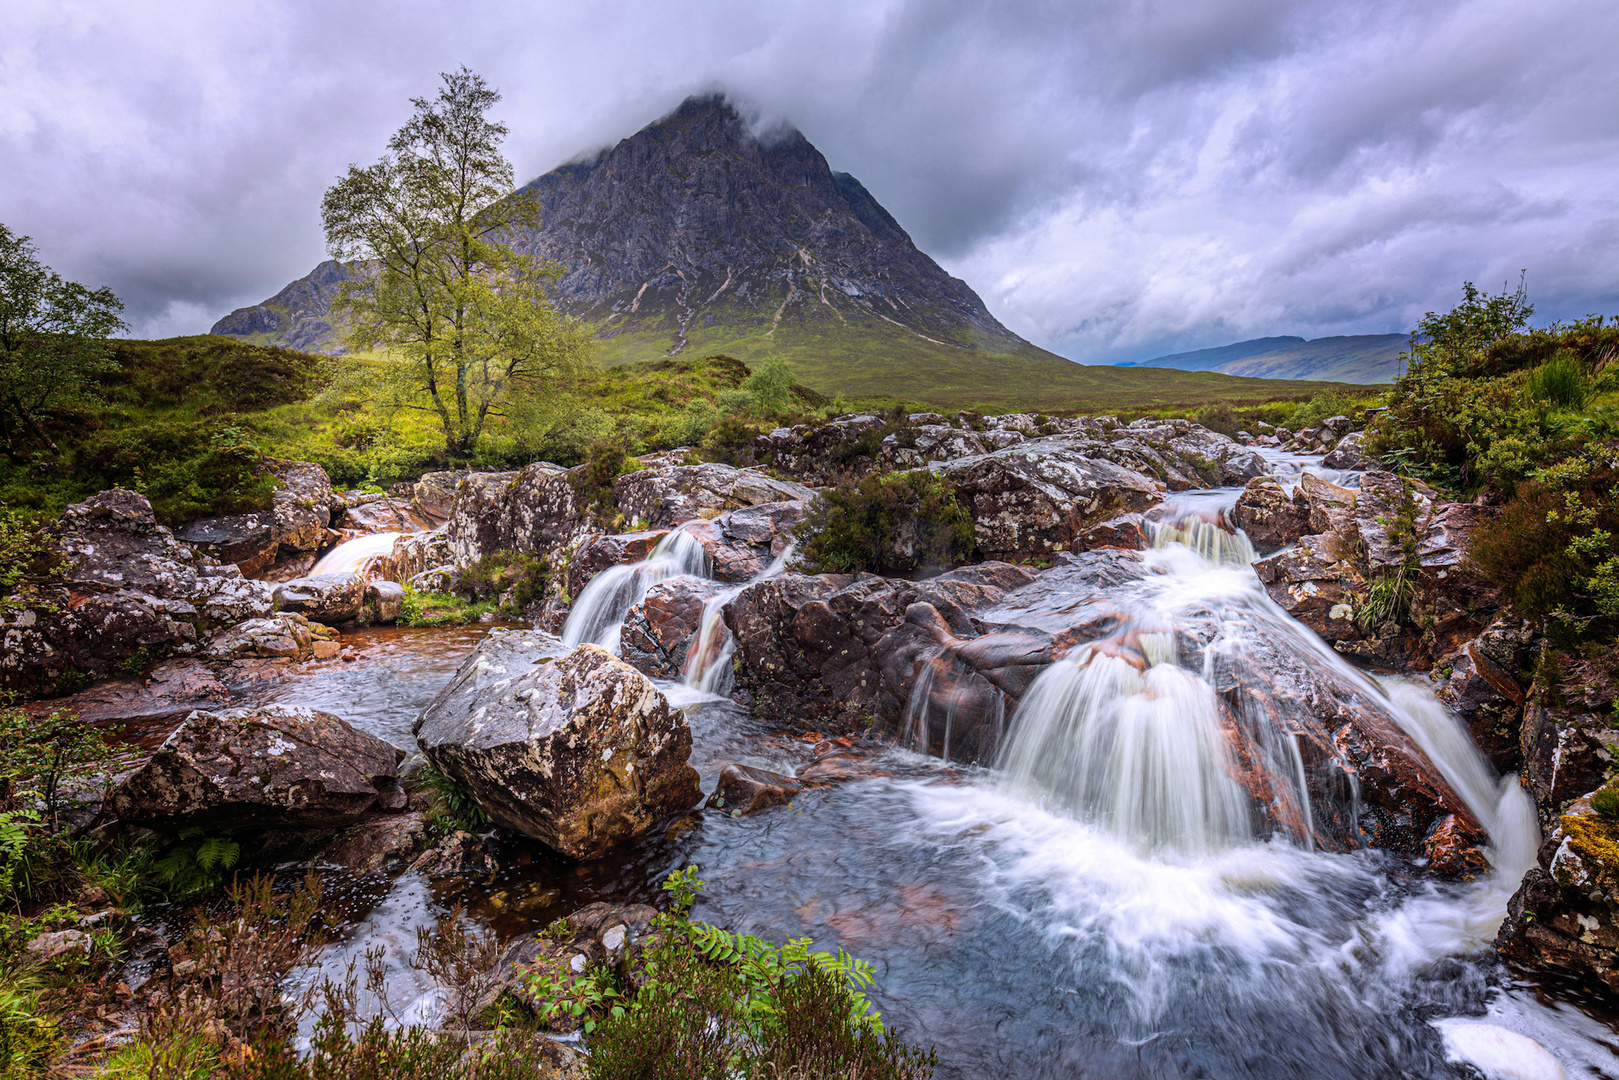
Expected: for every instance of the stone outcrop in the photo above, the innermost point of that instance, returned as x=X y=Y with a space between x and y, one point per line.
x=1564 y=918
x=743 y=789
x=288 y=635
x=129 y=594
x=1483 y=683
x=332 y=599
x=659 y=630
x=1269 y=516
x=292 y=529
x=258 y=769
x=576 y=749
x=1033 y=500
x=666 y=497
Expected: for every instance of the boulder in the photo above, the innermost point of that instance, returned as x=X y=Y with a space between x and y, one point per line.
x=1350 y=453
x=287 y=635
x=1564 y=919
x=1035 y=499
x=743 y=789
x=1318 y=583
x=666 y=497
x=128 y=593
x=276 y=767
x=294 y=526
x=1482 y=683
x=56 y=944
x=1268 y=516
x=384 y=601
x=434 y=493
x=1567 y=732
x=381 y=845
x=576 y=749
x=332 y=599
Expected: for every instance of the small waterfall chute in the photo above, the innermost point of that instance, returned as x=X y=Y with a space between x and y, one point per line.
x=357 y=556
x=708 y=656
x=598 y=615
x=1210 y=539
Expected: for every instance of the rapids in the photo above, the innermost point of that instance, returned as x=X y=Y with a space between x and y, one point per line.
x=1094 y=905
x=352 y=556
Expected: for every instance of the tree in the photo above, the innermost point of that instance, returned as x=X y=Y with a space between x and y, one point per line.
x=467 y=318
x=53 y=342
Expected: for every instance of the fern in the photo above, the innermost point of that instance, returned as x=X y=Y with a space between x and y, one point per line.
x=196 y=864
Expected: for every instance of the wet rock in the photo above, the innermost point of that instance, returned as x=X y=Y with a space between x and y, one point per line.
x=384 y=601
x=837 y=651
x=1350 y=453
x=1481 y=683
x=1564 y=918
x=437 y=579
x=847 y=448
x=414 y=553
x=288 y=636
x=459 y=855
x=129 y=594
x=1035 y=499
x=666 y=497
x=1568 y=727
x=268 y=768
x=382 y=845
x=1128 y=531
x=659 y=630
x=371 y=513
x=332 y=599
x=1331 y=506
x=1271 y=519
x=743 y=789
x=578 y=750
x=171 y=689
x=1318 y=583
x=1337 y=426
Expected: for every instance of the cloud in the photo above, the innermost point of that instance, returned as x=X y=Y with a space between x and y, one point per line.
x=1116 y=178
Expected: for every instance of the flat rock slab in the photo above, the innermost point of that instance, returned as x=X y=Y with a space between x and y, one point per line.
x=269 y=768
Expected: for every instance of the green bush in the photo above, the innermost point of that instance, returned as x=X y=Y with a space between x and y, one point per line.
x=501 y=573
x=1220 y=417
x=1560 y=382
x=890 y=523
x=29 y=559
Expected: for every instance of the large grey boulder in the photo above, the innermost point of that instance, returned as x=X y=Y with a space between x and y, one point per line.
x=268 y=768
x=574 y=748
x=665 y=497
x=293 y=527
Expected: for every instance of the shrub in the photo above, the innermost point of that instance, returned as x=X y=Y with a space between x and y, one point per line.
x=1220 y=417
x=886 y=524
x=1558 y=382
x=593 y=481
x=507 y=573
x=770 y=388
x=731 y=442
x=29 y=559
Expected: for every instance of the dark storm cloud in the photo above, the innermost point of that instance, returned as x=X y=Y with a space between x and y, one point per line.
x=1116 y=178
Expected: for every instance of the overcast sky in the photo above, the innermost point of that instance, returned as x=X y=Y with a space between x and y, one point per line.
x=1116 y=178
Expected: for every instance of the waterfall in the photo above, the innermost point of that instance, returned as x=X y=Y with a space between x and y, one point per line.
x=352 y=556
x=1217 y=544
x=598 y=615
x=708 y=657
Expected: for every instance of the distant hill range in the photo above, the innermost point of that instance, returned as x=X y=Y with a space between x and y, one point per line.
x=699 y=235
x=1357 y=358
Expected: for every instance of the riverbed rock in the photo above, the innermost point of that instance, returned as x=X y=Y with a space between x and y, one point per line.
x=128 y=595
x=1271 y=518
x=1349 y=453
x=1035 y=499
x=577 y=749
x=294 y=526
x=532 y=511
x=332 y=599
x=1564 y=918
x=288 y=635
x=1318 y=583
x=1483 y=684
x=665 y=497
x=267 y=768
x=384 y=601
x=385 y=844
x=743 y=789
x=660 y=629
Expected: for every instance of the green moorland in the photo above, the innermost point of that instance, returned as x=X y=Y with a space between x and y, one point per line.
x=881 y=363
x=188 y=420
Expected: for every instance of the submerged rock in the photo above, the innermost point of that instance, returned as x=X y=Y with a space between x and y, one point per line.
x=268 y=768
x=576 y=749
x=743 y=789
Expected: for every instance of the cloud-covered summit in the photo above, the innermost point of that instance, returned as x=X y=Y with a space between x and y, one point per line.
x=1117 y=179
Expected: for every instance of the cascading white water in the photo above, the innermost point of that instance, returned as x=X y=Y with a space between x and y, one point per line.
x=1135 y=749
x=1217 y=545
x=598 y=615
x=351 y=556
x=708 y=657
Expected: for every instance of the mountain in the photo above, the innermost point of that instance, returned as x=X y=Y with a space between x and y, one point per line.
x=1357 y=358
x=698 y=235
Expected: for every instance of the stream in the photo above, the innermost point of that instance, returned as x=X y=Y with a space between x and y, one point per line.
x=1090 y=907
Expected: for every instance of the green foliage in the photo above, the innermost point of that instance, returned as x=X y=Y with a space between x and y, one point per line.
x=53 y=343
x=706 y=1003
x=42 y=752
x=889 y=523
x=1218 y=417
x=440 y=609
x=1605 y=801
x=453 y=807
x=29 y=1035
x=29 y=559
x=195 y=864
x=593 y=484
x=770 y=388
x=515 y=579
x=1560 y=382
x=466 y=318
